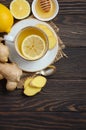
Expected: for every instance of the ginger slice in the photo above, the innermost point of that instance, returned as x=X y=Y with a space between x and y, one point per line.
x=31 y=91
x=33 y=85
x=27 y=82
x=38 y=81
x=28 y=89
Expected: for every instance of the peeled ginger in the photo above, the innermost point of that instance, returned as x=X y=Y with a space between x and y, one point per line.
x=38 y=81
x=33 y=85
x=30 y=91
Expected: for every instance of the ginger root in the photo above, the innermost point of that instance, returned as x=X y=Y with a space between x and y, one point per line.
x=12 y=73
x=1 y=77
x=11 y=85
x=4 y=53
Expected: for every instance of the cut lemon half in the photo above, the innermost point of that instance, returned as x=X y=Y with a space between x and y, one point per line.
x=51 y=37
x=20 y=8
x=33 y=47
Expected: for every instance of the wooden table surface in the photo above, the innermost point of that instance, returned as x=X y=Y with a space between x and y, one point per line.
x=61 y=105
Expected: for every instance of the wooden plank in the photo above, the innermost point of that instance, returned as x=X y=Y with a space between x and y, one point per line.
x=72 y=6
x=72 y=29
x=56 y=96
x=42 y=121
x=73 y=67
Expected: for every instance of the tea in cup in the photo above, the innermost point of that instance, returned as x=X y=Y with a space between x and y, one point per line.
x=31 y=43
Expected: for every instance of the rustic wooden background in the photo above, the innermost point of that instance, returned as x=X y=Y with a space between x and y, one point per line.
x=61 y=105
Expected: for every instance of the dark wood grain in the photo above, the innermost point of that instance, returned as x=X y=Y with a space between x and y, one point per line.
x=61 y=105
x=43 y=121
x=72 y=6
x=72 y=29
x=57 y=95
x=73 y=67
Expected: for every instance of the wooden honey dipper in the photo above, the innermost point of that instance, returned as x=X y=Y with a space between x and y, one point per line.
x=45 y=5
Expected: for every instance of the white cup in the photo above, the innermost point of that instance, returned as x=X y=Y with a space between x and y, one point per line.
x=23 y=34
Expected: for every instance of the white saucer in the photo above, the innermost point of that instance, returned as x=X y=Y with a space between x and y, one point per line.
x=30 y=66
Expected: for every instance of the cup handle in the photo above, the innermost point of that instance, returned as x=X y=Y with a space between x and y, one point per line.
x=8 y=38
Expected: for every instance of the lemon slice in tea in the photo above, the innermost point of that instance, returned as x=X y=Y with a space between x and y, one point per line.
x=33 y=47
x=20 y=8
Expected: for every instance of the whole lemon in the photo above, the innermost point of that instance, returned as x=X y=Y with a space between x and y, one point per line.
x=6 y=19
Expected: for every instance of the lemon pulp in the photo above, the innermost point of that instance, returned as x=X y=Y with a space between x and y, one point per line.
x=33 y=47
x=20 y=8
